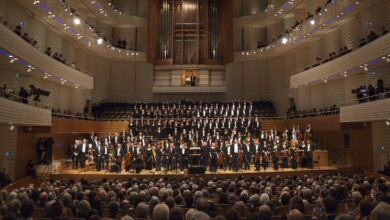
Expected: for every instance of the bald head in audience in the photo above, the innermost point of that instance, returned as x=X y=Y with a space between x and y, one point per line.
x=295 y=214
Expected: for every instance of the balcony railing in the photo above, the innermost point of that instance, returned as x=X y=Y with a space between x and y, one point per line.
x=374 y=108
x=19 y=48
x=361 y=58
x=16 y=110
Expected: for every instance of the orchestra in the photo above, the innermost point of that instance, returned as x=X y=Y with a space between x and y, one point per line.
x=165 y=146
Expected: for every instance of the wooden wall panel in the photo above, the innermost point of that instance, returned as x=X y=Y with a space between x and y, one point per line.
x=64 y=126
x=18 y=113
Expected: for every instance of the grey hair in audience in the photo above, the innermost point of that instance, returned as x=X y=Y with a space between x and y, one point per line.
x=295 y=214
x=198 y=215
x=142 y=210
x=161 y=212
x=381 y=212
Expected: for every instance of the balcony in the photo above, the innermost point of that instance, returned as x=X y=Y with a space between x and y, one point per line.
x=13 y=111
x=22 y=50
x=347 y=64
x=56 y=17
x=263 y=18
x=306 y=32
x=366 y=112
x=109 y=15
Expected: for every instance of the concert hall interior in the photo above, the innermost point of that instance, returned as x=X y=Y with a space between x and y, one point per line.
x=195 y=109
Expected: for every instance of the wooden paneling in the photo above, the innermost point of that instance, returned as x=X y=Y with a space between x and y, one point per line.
x=365 y=112
x=18 y=113
x=331 y=122
x=80 y=126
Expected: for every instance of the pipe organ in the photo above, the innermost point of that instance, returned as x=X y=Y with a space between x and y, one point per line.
x=189 y=32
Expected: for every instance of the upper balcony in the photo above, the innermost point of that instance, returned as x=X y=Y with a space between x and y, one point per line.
x=17 y=50
x=108 y=14
x=310 y=30
x=373 y=53
x=275 y=11
x=60 y=18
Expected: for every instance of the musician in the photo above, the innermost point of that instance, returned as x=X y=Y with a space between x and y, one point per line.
x=235 y=147
x=83 y=152
x=227 y=152
x=119 y=153
x=129 y=156
x=284 y=152
x=293 y=156
x=171 y=160
x=204 y=152
x=138 y=157
x=247 y=154
x=302 y=154
x=309 y=154
x=265 y=155
x=149 y=157
x=99 y=157
x=257 y=153
x=275 y=156
x=183 y=156
x=213 y=158
x=75 y=149
x=159 y=152
x=106 y=154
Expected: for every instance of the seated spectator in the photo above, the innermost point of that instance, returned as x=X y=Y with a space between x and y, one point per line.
x=18 y=30
x=48 y=51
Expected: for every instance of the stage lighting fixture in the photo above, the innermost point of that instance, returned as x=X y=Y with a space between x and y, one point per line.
x=100 y=41
x=387 y=122
x=312 y=22
x=76 y=21
x=284 y=40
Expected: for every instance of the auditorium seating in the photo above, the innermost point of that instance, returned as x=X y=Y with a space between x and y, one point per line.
x=312 y=196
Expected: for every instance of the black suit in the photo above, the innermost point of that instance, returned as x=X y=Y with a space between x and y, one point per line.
x=75 y=150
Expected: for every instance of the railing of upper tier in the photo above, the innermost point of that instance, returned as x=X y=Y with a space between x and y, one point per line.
x=42 y=50
x=314 y=114
x=366 y=99
x=129 y=118
x=28 y=101
x=304 y=28
x=380 y=32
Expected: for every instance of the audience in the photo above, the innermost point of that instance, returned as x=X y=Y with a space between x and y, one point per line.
x=323 y=196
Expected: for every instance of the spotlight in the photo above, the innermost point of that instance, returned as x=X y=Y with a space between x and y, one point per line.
x=312 y=22
x=36 y=2
x=76 y=21
x=387 y=122
x=11 y=126
x=365 y=68
x=13 y=60
x=100 y=41
x=284 y=40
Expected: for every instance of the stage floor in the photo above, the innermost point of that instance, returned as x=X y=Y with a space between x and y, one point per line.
x=98 y=175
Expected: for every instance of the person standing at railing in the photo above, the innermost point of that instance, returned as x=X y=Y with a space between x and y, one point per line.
x=23 y=95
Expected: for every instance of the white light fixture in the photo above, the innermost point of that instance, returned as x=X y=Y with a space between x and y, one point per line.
x=76 y=21
x=100 y=41
x=284 y=40
x=36 y=2
x=11 y=126
x=387 y=122
x=312 y=22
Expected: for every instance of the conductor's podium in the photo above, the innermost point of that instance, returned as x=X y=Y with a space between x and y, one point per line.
x=195 y=166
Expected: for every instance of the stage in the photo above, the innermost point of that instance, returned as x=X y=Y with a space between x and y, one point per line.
x=98 y=175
